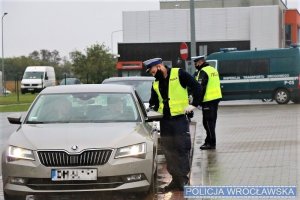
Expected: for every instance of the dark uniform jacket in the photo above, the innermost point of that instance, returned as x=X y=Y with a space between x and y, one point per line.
x=186 y=81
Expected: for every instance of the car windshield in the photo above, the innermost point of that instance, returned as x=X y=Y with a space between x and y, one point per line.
x=33 y=75
x=69 y=81
x=83 y=108
x=143 y=87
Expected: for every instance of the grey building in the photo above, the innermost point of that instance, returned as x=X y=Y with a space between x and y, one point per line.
x=244 y=24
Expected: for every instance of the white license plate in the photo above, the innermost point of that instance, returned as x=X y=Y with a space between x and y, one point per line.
x=73 y=174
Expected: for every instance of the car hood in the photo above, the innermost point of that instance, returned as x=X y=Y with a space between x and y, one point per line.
x=85 y=136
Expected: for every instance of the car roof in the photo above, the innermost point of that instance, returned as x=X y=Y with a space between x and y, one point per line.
x=70 y=78
x=132 y=78
x=84 y=88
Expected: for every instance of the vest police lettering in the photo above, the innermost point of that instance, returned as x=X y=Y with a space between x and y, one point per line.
x=178 y=96
x=213 y=88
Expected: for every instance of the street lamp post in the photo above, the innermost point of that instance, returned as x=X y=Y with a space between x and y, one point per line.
x=192 y=21
x=3 y=77
x=111 y=39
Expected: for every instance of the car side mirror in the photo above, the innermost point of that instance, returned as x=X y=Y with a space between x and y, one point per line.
x=15 y=118
x=153 y=116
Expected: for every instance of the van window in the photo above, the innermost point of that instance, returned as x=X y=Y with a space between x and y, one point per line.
x=213 y=63
x=33 y=75
x=282 y=65
x=234 y=67
x=259 y=67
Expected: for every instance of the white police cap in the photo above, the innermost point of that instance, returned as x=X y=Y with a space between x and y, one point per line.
x=197 y=58
x=152 y=62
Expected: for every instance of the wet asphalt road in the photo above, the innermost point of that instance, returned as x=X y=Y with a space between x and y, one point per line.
x=257 y=144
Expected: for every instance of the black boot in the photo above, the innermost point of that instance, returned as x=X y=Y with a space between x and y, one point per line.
x=207 y=147
x=173 y=185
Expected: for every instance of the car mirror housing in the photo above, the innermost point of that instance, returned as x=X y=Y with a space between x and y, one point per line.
x=15 y=118
x=153 y=116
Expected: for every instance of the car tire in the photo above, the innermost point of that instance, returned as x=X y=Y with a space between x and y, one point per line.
x=282 y=96
x=152 y=189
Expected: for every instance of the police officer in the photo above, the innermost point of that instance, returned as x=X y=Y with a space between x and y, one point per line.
x=169 y=96
x=211 y=95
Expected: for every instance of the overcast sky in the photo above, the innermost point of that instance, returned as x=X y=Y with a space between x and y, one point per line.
x=68 y=25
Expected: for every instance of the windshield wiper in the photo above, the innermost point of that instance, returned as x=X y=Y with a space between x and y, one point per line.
x=35 y=122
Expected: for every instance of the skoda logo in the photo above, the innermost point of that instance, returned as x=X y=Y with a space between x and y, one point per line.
x=74 y=147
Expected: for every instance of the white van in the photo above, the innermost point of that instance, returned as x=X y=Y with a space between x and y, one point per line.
x=36 y=78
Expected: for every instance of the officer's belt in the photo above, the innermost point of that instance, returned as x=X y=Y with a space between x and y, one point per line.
x=174 y=117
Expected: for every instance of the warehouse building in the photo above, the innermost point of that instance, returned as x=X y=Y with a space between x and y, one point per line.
x=242 y=24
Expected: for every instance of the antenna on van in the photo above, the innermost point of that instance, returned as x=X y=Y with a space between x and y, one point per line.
x=228 y=49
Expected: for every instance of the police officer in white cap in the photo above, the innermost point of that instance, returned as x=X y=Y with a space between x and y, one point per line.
x=211 y=95
x=169 y=96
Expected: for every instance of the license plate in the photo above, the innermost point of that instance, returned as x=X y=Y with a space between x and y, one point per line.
x=73 y=174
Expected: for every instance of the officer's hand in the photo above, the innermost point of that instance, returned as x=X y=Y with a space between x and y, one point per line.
x=190 y=98
x=189 y=109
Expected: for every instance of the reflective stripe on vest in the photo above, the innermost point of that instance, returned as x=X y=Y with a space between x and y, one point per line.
x=213 y=88
x=178 y=96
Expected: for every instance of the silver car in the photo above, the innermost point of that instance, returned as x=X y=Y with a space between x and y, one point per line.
x=143 y=85
x=81 y=138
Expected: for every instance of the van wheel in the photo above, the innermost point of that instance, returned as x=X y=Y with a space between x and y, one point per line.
x=282 y=96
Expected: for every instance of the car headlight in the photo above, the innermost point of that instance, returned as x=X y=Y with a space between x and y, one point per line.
x=137 y=150
x=16 y=153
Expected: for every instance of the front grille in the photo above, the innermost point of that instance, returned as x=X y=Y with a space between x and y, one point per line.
x=100 y=183
x=63 y=159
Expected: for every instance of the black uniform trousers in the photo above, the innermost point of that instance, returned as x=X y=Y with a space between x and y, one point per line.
x=176 y=143
x=209 y=120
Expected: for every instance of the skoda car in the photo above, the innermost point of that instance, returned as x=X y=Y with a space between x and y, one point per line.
x=81 y=138
x=143 y=85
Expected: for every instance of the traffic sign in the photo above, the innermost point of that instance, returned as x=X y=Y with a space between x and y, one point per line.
x=184 y=53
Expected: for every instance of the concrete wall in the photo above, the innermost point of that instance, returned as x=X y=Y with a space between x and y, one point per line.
x=261 y=25
x=265 y=27
x=219 y=3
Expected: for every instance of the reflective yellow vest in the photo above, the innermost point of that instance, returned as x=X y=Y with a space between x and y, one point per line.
x=213 y=88
x=178 y=96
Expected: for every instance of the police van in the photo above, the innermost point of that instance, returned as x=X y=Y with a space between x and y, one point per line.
x=259 y=74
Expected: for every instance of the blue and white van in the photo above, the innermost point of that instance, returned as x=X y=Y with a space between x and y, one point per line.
x=259 y=74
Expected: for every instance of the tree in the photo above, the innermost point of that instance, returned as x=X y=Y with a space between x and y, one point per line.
x=46 y=57
x=15 y=67
x=65 y=68
x=95 y=65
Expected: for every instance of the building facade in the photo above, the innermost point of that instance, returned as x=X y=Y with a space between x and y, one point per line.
x=242 y=24
x=292 y=27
